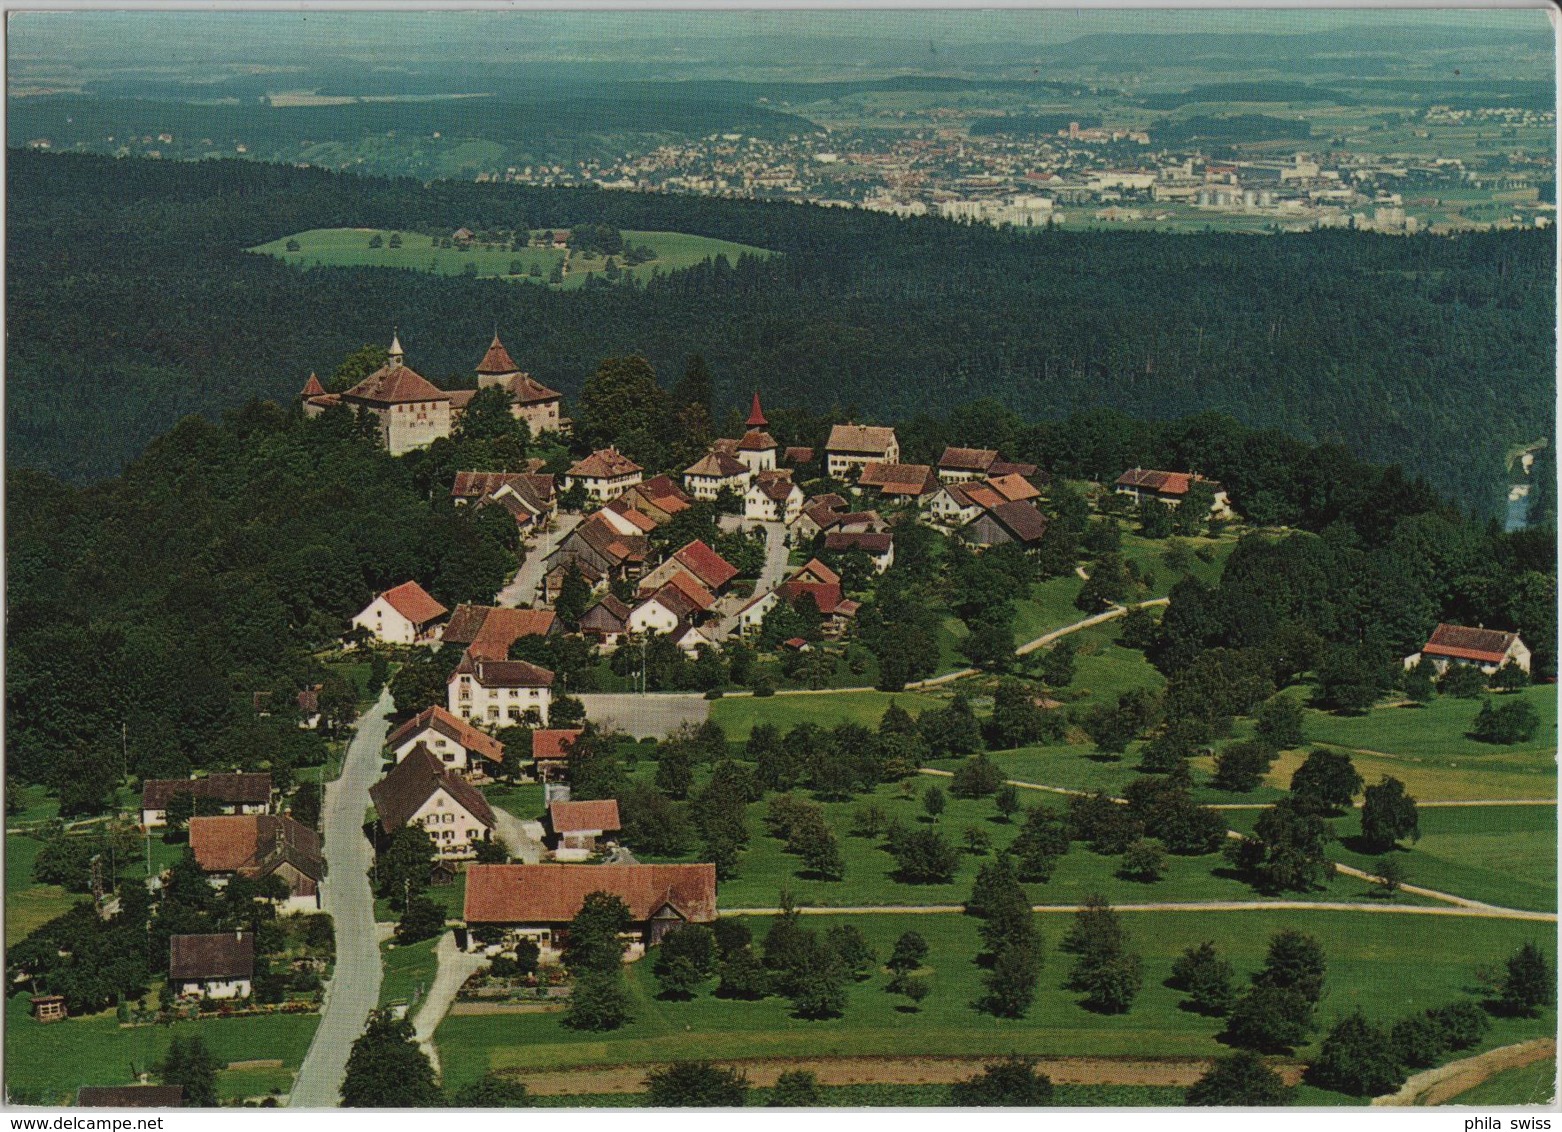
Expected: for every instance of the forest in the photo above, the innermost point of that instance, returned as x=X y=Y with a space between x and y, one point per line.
x=132 y=303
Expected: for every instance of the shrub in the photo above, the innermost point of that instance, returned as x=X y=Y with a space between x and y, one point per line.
x=1239 y=1080
x=1356 y=1058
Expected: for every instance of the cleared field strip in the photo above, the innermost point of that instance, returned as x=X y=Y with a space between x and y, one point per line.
x=1461 y=907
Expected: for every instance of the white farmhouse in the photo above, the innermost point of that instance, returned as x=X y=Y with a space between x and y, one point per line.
x=405 y=615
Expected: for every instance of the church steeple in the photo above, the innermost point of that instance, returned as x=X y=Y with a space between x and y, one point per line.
x=756 y=416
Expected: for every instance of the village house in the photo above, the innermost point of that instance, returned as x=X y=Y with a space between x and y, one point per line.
x=853 y=447
x=816 y=516
x=529 y=497
x=714 y=473
x=551 y=750
x=130 y=1096
x=489 y=630
x=1487 y=649
x=409 y=410
x=1014 y=488
x=420 y=791
x=1171 y=488
x=454 y=743
x=224 y=793
x=960 y=465
x=404 y=615
x=530 y=401
x=658 y=497
x=893 y=482
x=537 y=902
x=752 y=616
x=773 y=498
x=815 y=573
x=215 y=965
x=499 y=692
x=578 y=827
x=797 y=457
x=605 y=623
x=602 y=553
x=553 y=579
x=1006 y=523
x=836 y=609
x=696 y=558
x=625 y=519
x=667 y=611
x=880 y=548
x=255 y=846
x=953 y=505
x=604 y=474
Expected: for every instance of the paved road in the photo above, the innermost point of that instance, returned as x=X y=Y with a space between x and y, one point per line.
x=653 y=715
x=770 y=576
x=354 y=989
x=527 y=583
x=455 y=967
x=522 y=845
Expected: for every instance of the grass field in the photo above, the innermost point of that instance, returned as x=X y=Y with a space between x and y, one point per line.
x=1436 y=733
x=409 y=970
x=57 y=1058
x=1502 y=855
x=1528 y=1084
x=27 y=903
x=524 y=799
x=1374 y=963
x=739 y=714
x=349 y=247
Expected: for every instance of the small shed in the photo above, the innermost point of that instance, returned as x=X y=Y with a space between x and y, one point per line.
x=49 y=1008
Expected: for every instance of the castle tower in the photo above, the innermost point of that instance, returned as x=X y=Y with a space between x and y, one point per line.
x=398 y=356
x=497 y=367
x=758 y=448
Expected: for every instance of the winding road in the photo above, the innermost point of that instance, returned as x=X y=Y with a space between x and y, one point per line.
x=354 y=989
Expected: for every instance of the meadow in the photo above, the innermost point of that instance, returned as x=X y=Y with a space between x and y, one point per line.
x=350 y=247
x=1373 y=963
x=1535 y=1083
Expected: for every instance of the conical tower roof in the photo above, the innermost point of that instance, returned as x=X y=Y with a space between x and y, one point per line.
x=756 y=416
x=497 y=360
x=312 y=387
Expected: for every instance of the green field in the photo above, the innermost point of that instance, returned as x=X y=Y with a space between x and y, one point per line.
x=1528 y=1084
x=1374 y=963
x=349 y=247
x=27 y=903
x=1436 y=734
x=57 y=1058
x=524 y=800
x=739 y=714
x=1503 y=855
x=409 y=970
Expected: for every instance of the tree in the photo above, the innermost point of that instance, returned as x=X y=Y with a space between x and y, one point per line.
x=1388 y=814
x=623 y=404
x=933 y=800
x=1040 y=844
x=1056 y=669
x=1295 y=961
x=1285 y=851
x=910 y=949
x=850 y=948
x=1280 y=723
x=1009 y=985
x=1514 y=722
x=417 y=684
x=1418 y=1042
x=355 y=367
x=1110 y=983
x=574 y=595
x=696 y=1084
x=742 y=976
x=1462 y=681
x=796 y=1088
x=1416 y=683
x=1011 y=1083
x=402 y=870
x=1240 y=767
x=922 y=856
x=1007 y=801
x=819 y=989
x=1206 y=977
x=598 y=1002
x=593 y=943
x=1351 y=678
x=1144 y=861
x=822 y=854
x=189 y=1063
x=387 y=1069
x=1463 y=1023
x=677 y=978
x=491 y=1091
x=1269 y=1019
x=1356 y=1058
x=674 y=776
x=1241 y=1080
x=1326 y=780
x=421 y=919
x=1529 y=984
x=1510 y=677
x=976 y=777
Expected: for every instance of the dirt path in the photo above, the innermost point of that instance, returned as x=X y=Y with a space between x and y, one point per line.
x=1444 y=1084
x=1170 y=1071
x=1467 y=908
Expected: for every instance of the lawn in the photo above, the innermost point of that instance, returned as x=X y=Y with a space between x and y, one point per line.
x=1535 y=1083
x=523 y=799
x=1504 y=855
x=27 y=903
x=1048 y=606
x=1374 y=963
x=1104 y=669
x=738 y=714
x=409 y=970
x=349 y=247
x=57 y=1058
x=1436 y=734
x=450 y=897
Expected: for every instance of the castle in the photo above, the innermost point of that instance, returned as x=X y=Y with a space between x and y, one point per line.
x=412 y=412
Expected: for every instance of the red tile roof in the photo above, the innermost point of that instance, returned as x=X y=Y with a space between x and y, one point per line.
x=967 y=459
x=605 y=464
x=872 y=542
x=755 y=440
x=717 y=465
x=253 y=845
x=691 y=588
x=554 y=743
x=705 y=564
x=502 y=673
x=1013 y=487
x=450 y=726
x=414 y=603
x=395 y=384
x=527 y=390
x=798 y=455
x=756 y=415
x=231 y=789
x=1022 y=520
x=826 y=596
x=413 y=781
x=1461 y=643
x=497 y=359
x=818 y=570
x=983 y=496
x=1162 y=483
x=899 y=479
x=503 y=627
x=553 y=894
x=861 y=440
x=312 y=387
x=579 y=817
x=219 y=955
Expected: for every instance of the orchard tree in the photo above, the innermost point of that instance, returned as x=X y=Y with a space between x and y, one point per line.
x=1529 y=985
x=1326 y=781
x=387 y=1068
x=696 y=1084
x=1242 y=1080
x=1206 y=977
x=1356 y=1058
x=1286 y=850
x=796 y=1088
x=1388 y=815
x=1269 y=1020
x=1280 y=723
x=598 y=1002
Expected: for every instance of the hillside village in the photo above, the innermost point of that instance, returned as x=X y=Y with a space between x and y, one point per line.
x=517 y=815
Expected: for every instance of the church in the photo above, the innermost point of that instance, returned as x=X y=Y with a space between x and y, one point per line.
x=412 y=412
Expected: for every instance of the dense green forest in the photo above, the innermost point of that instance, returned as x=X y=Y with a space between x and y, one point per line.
x=131 y=302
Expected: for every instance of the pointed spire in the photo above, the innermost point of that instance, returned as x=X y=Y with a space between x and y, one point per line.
x=756 y=416
x=497 y=360
x=312 y=387
x=397 y=354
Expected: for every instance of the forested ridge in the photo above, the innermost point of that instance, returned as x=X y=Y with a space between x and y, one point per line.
x=132 y=302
